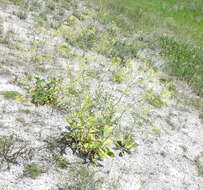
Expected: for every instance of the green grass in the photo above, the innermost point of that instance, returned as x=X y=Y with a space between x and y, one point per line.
x=184 y=61
x=176 y=15
x=167 y=21
x=10 y=95
x=32 y=170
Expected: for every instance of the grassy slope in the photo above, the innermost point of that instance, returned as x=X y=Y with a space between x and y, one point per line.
x=181 y=22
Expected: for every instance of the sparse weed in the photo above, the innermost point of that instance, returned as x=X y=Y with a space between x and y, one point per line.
x=80 y=177
x=185 y=61
x=7 y=38
x=32 y=170
x=61 y=162
x=198 y=165
x=201 y=116
x=12 y=149
x=154 y=99
x=118 y=76
x=195 y=102
x=10 y=95
x=117 y=61
x=22 y=15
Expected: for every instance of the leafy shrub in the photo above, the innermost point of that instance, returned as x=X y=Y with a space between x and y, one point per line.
x=91 y=129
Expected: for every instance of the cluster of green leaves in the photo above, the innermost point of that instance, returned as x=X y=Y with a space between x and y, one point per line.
x=185 y=61
x=91 y=129
x=45 y=91
x=118 y=76
x=125 y=143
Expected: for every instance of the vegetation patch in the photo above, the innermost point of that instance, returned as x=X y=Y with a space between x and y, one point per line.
x=185 y=61
x=154 y=99
x=32 y=170
x=81 y=177
x=10 y=95
x=125 y=143
x=45 y=92
x=199 y=166
x=12 y=149
x=91 y=131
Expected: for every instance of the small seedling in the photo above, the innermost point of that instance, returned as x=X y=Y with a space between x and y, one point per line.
x=118 y=76
x=163 y=154
x=125 y=144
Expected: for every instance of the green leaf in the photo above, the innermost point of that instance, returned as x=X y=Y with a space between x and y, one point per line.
x=107 y=130
x=101 y=153
x=110 y=154
x=108 y=142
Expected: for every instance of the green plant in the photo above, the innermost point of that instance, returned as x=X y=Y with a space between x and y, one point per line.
x=156 y=132
x=80 y=177
x=125 y=143
x=12 y=148
x=90 y=132
x=201 y=115
x=185 y=61
x=32 y=170
x=154 y=99
x=45 y=91
x=124 y=50
x=62 y=163
x=179 y=20
x=118 y=76
x=10 y=95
